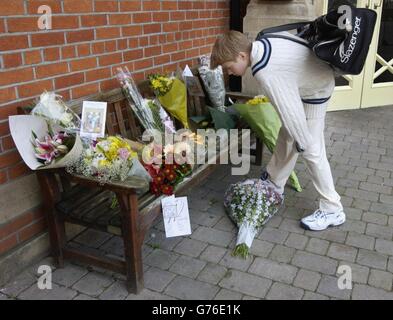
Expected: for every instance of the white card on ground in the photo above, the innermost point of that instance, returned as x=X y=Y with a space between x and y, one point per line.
x=176 y=216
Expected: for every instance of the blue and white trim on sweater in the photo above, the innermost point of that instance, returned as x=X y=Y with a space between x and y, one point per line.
x=267 y=51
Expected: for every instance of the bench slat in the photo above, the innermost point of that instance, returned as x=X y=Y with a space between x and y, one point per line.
x=73 y=202
x=135 y=133
x=110 y=123
x=88 y=211
x=120 y=119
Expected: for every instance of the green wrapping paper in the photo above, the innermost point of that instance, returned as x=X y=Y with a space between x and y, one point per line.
x=265 y=122
x=175 y=101
x=222 y=120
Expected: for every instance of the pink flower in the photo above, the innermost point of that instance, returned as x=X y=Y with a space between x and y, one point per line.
x=123 y=153
x=59 y=137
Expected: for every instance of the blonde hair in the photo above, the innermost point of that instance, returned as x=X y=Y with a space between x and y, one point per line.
x=228 y=46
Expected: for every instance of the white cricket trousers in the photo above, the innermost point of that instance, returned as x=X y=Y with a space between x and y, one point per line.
x=285 y=155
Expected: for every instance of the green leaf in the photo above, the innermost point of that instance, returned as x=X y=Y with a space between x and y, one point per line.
x=50 y=130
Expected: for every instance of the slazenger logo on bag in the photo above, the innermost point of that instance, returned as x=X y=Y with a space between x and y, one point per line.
x=352 y=44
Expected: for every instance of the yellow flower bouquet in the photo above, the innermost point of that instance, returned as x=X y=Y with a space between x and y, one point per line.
x=172 y=94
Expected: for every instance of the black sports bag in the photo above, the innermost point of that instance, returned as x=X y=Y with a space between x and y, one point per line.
x=344 y=49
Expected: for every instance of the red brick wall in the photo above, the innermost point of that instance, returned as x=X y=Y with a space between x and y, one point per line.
x=22 y=228
x=79 y=56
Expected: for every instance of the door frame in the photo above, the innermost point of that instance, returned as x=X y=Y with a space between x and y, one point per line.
x=375 y=94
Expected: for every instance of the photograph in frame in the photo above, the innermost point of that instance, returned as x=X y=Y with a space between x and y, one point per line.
x=93 y=119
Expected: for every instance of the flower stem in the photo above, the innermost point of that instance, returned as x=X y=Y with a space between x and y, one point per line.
x=241 y=250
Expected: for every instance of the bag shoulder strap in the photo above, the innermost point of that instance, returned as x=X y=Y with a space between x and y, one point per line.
x=304 y=43
x=284 y=27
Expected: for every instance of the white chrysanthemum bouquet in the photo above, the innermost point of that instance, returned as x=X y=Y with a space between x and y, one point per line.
x=250 y=204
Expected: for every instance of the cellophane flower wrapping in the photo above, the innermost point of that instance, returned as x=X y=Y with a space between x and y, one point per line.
x=161 y=118
x=144 y=109
x=250 y=204
x=52 y=108
x=213 y=81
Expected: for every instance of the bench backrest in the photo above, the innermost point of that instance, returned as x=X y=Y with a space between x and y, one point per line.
x=120 y=117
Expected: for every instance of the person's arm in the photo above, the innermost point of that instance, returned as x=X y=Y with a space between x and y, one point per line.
x=284 y=96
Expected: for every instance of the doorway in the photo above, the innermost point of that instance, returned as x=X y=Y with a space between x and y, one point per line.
x=374 y=85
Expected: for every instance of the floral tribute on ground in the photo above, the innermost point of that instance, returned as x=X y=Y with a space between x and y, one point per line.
x=250 y=204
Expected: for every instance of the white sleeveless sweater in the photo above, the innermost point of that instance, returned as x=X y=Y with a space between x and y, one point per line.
x=297 y=83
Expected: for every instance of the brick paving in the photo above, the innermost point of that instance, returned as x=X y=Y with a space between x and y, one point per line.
x=287 y=262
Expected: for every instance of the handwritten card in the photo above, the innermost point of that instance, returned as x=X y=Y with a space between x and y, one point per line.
x=176 y=216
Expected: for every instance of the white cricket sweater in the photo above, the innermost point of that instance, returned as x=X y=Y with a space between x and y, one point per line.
x=297 y=83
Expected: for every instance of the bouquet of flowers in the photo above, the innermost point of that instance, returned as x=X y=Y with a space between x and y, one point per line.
x=168 y=176
x=40 y=145
x=150 y=113
x=52 y=108
x=263 y=119
x=53 y=147
x=172 y=93
x=106 y=159
x=213 y=81
x=250 y=204
x=161 y=117
x=162 y=165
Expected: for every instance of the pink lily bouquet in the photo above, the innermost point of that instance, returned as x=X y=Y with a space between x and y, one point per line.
x=42 y=146
x=52 y=147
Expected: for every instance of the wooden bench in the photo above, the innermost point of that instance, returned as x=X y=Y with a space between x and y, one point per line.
x=84 y=201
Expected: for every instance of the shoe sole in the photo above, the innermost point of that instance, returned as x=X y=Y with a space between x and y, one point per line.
x=306 y=227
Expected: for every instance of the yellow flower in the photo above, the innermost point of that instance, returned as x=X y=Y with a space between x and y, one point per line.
x=156 y=84
x=257 y=100
x=104 y=163
x=133 y=154
x=160 y=83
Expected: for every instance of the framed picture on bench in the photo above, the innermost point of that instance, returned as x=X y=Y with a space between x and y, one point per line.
x=93 y=119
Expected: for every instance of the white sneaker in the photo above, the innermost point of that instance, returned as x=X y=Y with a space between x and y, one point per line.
x=320 y=220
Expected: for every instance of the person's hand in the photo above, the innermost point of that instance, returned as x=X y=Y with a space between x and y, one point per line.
x=299 y=148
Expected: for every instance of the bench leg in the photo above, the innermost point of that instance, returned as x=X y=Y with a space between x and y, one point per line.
x=56 y=229
x=133 y=239
x=56 y=226
x=259 y=151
